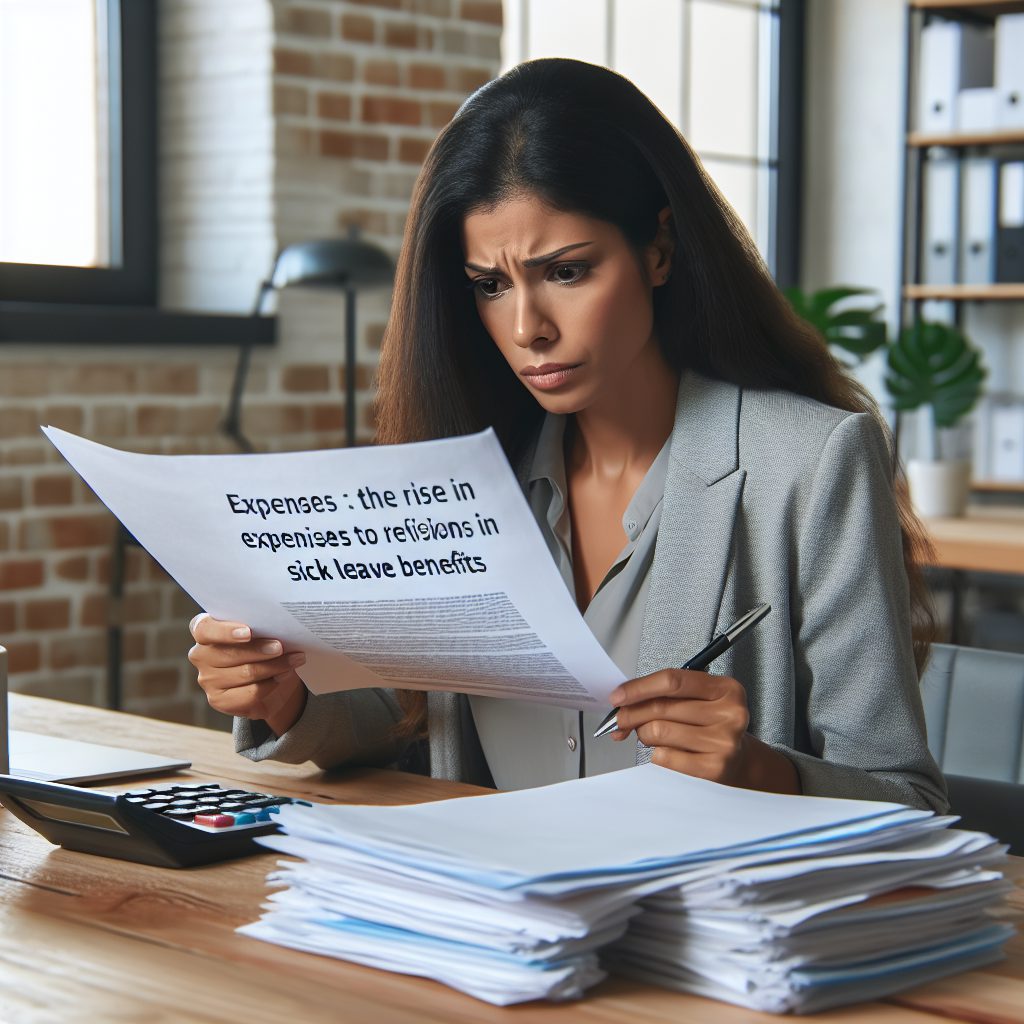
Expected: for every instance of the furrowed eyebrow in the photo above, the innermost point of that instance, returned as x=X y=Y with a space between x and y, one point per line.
x=533 y=261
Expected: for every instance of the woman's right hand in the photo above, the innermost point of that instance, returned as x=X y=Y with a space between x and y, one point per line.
x=245 y=676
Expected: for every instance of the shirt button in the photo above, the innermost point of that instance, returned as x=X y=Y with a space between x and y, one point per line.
x=631 y=524
x=572 y=742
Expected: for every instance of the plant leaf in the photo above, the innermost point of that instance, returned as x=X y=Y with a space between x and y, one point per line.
x=934 y=364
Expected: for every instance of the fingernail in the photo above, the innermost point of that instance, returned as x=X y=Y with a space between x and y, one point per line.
x=616 y=695
x=242 y=633
x=297 y=659
x=270 y=647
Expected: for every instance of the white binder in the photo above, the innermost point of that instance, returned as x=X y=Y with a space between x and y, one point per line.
x=939 y=223
x=953 y=57
x=1009 y=70
x=977 y=109
x=978 y=226
x=1009 y=241
x=1007 y=451
x=1011 y=194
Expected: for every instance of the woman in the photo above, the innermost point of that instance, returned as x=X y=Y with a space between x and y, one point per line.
x=689 y=448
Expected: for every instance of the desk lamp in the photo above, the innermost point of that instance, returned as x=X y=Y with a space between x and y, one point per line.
x=348 y=263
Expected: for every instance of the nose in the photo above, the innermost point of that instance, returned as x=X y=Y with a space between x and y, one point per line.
x=533 y=325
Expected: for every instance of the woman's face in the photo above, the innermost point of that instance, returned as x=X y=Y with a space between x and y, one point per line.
x=565 y=297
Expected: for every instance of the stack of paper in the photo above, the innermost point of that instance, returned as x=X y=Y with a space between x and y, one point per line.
x=812 y=932
x=766 y=900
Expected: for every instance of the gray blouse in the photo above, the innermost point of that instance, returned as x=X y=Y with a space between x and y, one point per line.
x=528 y=744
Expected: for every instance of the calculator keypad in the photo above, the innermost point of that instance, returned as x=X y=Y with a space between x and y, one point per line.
x=209 y=805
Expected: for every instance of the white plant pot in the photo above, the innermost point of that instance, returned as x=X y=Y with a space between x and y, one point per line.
x=939 y=488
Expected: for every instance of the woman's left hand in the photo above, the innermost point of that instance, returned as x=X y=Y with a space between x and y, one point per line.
x=696 y=724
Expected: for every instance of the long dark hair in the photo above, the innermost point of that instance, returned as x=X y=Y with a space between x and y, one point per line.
x=586 y=140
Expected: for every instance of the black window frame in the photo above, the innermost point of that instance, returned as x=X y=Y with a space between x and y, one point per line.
x=118 y=304
x=131 y=51
x=789 y=136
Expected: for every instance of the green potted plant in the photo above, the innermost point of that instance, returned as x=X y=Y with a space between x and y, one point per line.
x=855 y=328
x=934 y=366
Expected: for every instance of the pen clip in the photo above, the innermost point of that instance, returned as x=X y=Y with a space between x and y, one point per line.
x=752 y=618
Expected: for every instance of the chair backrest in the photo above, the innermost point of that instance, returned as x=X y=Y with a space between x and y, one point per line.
x=974 y=707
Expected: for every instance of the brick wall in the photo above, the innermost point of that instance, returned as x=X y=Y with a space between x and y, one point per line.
x=281 y=121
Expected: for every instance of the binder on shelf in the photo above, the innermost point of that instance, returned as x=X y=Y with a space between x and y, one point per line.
x=977 y=109
x=978 y=225
x=1010 y=224
x=939 y=223
x=1009 y=71
x=953 y=57
x=1007 y=444
x=981 y=439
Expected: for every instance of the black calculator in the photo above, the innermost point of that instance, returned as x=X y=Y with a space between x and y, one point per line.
x=176 y=825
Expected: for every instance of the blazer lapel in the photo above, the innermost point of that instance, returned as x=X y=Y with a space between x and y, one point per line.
x=702 y=495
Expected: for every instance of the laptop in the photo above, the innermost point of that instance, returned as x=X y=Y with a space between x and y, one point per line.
x=30 y=755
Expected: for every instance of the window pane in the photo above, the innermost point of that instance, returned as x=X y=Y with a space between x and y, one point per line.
x=647 y=45
x=767 y=203
x=53 y=164
x=723 y=103
x=568 y=28
x=738 y=183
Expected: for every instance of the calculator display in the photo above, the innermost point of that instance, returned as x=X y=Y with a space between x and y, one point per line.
x=74 y=815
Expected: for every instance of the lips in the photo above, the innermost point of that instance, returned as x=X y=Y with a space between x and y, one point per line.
x=549 y=375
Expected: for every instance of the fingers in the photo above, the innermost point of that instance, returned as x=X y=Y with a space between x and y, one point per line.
x=241 y=675
x=224 y=656
x=691 y=739
x=729 y=712
x=254 y=700
x=207 y=630
x=672 y=682
x=230 y=673
x=713 y=767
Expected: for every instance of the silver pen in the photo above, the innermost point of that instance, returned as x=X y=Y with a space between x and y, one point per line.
x=721 y=643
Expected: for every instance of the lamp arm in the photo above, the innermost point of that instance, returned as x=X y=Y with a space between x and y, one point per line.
x=231 y=425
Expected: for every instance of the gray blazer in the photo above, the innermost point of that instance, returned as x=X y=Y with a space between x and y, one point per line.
x=769 y=497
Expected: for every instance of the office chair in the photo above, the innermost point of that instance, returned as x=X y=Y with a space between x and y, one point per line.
x=974 y=709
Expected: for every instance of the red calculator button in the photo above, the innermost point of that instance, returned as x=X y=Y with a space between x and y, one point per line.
x=214 y=820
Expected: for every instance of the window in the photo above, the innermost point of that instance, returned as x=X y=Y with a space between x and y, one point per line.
x=77 y=152
x=727 y=73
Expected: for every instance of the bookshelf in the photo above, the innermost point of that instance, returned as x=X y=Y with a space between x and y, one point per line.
x=965 y=292
x=990 y=9
x=956 y=140
x=916 y=286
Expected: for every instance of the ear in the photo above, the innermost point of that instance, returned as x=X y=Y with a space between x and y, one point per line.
x=658 y=254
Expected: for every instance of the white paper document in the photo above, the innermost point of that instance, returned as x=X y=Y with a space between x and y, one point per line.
x=416 y=565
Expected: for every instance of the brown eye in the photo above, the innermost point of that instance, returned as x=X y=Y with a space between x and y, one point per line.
x=489 y=287
x=569 y=273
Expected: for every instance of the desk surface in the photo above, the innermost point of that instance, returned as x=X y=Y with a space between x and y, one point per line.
x=990 y=538
x=90 y=939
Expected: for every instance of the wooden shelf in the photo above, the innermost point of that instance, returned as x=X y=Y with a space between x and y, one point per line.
x=987 y=539
x=965 y=292
x=998 y=486
x=983 y=8
x=953 y=140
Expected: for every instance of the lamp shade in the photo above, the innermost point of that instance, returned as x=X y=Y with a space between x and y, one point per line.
x=349 y=262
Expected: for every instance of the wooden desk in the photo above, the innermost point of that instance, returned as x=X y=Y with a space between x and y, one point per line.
x=989 y=538
x=87 y=939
